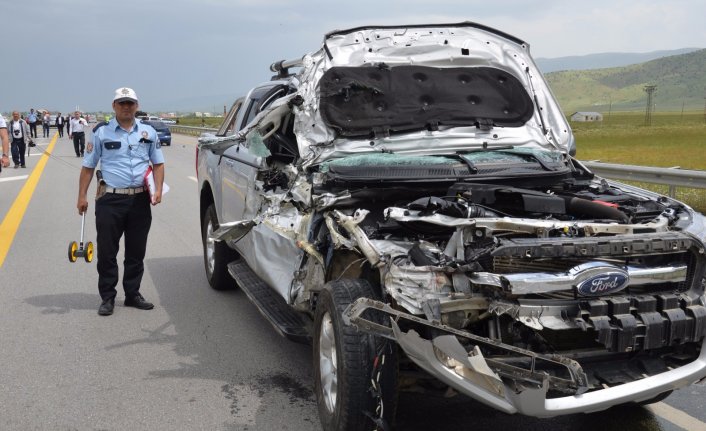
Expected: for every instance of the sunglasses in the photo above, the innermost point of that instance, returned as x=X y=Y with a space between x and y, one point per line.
x=126 y=102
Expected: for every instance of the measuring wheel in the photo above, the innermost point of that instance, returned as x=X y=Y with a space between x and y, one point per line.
x=88 y=254
x=73 y=248
x=77 y=250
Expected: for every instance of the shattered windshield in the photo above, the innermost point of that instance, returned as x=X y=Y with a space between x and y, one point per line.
x=508 y=161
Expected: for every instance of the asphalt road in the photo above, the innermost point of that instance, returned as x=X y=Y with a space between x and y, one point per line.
x=201 y=360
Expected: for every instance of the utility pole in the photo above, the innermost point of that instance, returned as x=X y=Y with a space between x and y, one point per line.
x=610 y=105
x=650 y=89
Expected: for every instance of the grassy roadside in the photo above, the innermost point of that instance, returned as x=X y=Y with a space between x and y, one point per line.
x=673 y=139
x=213 y=122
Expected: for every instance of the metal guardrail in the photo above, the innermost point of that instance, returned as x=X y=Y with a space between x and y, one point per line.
x=672 y=177
x=190 y=130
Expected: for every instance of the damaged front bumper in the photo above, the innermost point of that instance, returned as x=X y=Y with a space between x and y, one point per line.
x=517 y=385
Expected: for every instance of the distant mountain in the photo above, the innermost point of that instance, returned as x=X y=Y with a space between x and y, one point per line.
x=604 y=60
x=680 y=81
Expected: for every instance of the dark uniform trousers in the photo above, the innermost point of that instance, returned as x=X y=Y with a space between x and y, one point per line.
x=117 y=215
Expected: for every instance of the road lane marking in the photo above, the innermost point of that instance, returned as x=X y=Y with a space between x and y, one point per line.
x=13 y=218
x=15 y=178
x=193 y=179
x=677 y=417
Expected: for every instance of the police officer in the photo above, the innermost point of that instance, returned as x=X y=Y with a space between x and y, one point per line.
x=124 y=147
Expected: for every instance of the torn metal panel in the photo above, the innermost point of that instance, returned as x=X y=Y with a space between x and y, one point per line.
x=411 y=286
x=350 y=224
x=272 y=256
x=532 y=226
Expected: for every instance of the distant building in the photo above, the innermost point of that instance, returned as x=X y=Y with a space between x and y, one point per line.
x=586 y=116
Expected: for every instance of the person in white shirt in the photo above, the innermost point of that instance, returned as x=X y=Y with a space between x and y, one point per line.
x=4 y=161
x=77 y=133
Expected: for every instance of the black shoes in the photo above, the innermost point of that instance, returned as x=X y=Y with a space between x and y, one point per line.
x=106 y=308
x=138 y=301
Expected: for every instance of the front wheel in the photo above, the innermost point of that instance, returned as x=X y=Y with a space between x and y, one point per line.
x=345 y=361
x=216 y=254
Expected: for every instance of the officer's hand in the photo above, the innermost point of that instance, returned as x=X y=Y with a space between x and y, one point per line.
x=157 y=198
x=82 y=205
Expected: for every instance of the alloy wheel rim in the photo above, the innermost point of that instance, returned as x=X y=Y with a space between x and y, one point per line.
x=328 y=367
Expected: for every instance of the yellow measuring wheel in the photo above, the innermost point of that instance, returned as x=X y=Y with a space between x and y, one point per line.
x=77 y=250
x=73 y=248
x=89 y=252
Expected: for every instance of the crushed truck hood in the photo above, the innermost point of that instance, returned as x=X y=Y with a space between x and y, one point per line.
x=424 y=90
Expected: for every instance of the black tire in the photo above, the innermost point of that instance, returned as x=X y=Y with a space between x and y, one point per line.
x=219 y=252
x=354 y=355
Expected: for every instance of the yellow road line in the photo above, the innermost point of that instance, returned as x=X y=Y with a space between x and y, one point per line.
x=677 y=417
x=14 y=216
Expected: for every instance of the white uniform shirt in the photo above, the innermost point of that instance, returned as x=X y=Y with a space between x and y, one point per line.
x=76 y=126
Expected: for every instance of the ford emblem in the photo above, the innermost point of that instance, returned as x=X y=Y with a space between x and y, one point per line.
x=605 y=283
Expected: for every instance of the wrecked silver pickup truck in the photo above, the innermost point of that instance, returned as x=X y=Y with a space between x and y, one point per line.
x=407 y=198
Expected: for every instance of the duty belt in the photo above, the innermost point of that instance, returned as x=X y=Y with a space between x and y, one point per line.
x=126 y=191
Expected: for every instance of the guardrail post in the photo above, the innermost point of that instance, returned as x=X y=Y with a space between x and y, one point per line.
x=672 y=191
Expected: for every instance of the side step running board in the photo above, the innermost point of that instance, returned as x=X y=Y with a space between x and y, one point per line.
x=288 y=322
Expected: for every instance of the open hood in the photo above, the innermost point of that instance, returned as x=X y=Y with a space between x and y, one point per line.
x=424 y=90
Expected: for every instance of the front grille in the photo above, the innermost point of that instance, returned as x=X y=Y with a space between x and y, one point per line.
x=659 y=307
x=643 y=322
x=672 y=260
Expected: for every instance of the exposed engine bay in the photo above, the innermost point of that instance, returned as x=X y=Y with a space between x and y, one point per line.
x=564 y=264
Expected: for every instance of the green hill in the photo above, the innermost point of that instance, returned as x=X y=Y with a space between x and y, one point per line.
x=680 y=81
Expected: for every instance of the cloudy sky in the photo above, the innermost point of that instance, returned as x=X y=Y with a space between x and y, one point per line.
x=200 y=54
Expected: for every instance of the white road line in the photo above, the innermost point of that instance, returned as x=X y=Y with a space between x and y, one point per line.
x=677 y=417
x=194 y=179
x=16 y=178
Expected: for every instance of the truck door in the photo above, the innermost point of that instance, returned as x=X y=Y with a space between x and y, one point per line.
x=240 y=164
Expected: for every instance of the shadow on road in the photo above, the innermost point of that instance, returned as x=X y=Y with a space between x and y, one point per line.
x=62 y=303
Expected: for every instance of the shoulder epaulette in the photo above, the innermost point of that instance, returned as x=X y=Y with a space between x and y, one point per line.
x=99 y=125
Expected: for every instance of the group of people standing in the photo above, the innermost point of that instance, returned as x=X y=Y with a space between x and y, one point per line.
x=20 y=131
